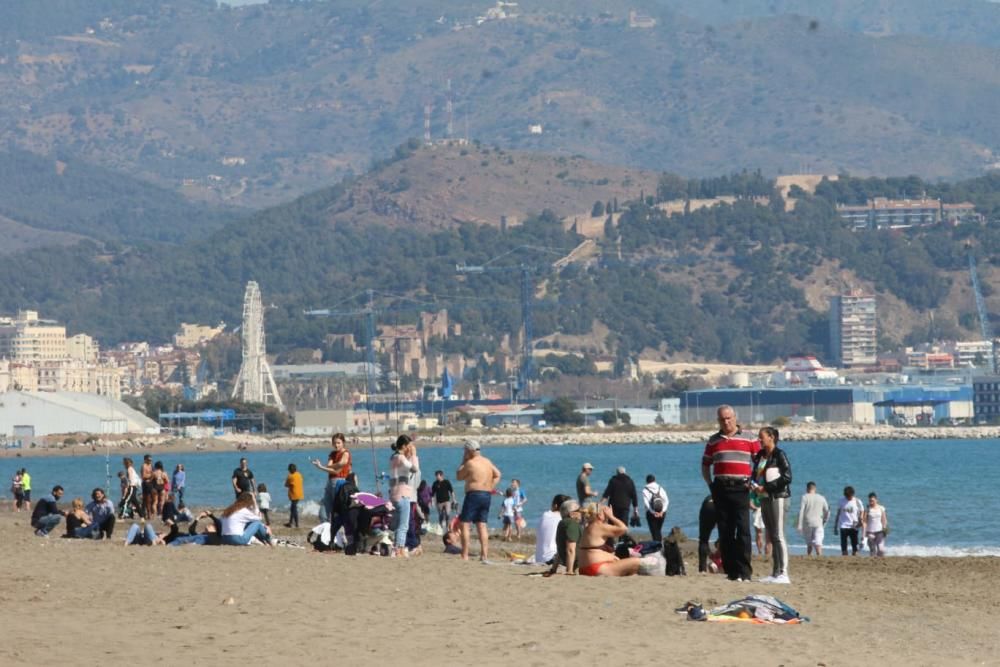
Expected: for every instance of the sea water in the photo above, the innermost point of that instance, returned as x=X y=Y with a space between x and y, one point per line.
x=938 y=494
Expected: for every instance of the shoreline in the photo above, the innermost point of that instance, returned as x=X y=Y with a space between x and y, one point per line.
x=514 y=437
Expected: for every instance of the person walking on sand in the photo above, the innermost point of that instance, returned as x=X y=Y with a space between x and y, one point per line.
x=621 y=496
x=17 y=488
x=130 y=504
x=655 y=500
x=481 y=478
x=26 y=488
x=848 y=521
x=520 y=499
x=180 y=482
x=295 y=494
x=876 y=523
x=243 y=479
x=585 y=494
x=726 y=466
x=813 y=514
x=148 y=495
x=444 y=498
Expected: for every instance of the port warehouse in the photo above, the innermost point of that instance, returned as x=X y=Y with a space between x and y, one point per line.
x=867 y=404
x=858 y=404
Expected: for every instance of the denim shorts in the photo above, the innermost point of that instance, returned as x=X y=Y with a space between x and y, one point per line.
x=476 y=507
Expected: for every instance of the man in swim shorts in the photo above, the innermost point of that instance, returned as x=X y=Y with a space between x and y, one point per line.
x=481 y=478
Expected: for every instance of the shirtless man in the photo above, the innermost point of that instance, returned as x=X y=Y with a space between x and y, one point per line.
x=481 y=478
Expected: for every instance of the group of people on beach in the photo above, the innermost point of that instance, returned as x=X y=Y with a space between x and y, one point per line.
x=744 y=473
x=749 y=480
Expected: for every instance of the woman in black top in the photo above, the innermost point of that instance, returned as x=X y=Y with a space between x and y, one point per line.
x=772 y=479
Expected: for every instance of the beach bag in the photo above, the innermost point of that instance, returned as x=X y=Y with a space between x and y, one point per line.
x=624 y=547
x=672 y=553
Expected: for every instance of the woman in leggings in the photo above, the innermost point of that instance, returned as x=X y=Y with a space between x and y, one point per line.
x=772 y=480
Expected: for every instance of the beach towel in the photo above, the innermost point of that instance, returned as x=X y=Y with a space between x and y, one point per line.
x=757 y=609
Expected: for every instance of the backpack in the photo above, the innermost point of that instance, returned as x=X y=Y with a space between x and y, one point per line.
x=624 y=547
x=672 y=553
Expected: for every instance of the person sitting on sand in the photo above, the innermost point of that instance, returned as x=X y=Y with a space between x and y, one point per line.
x=545 y=534
x=101 y=511
x=568 y=534
x=77 y=519
x=241 y=523
x=597 y=556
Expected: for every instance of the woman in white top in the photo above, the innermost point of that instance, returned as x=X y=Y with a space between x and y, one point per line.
x=241 y=523
x=876 y=523
x=404 y=470
x=545 y=535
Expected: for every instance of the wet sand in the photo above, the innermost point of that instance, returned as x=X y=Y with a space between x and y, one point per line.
x=81 y=602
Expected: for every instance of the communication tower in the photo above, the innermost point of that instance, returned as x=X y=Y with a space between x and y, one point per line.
x=255 y=383
x=449 y=110
x=427 y=123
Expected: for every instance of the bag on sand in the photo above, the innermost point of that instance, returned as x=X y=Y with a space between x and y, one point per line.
x=672 y=552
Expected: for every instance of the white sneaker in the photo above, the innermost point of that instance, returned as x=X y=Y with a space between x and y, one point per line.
x=781 y=579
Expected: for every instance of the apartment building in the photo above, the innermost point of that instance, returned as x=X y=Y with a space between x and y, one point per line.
x=27 y=339
x=885 y=213
x=853 y=330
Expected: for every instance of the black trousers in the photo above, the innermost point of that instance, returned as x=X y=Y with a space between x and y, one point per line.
x=621 y=513
x=706 y=524
x=107 y=527
x=293 y=514
x=852 y=534
x=655 y=526
x=732 y=507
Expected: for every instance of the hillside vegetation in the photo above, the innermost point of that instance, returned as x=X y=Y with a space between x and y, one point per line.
x=255 y=105
x=746 y=282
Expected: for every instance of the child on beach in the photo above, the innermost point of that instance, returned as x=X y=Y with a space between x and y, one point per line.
x=264 y=503
x=507 y=513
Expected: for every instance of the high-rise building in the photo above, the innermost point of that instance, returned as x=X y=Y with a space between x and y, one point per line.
x=28 y=339
x=853 y=332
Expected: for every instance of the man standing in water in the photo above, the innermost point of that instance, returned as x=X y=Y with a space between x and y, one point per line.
x=481 y=478
x=729 y=457
x=813 y=514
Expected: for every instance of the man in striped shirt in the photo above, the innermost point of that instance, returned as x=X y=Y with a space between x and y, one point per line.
x=726 y=467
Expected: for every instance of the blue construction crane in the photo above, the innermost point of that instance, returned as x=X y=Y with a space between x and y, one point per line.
x=527 y=363
x=984 y=317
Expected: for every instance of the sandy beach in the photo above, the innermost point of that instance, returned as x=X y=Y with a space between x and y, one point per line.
x=81 y=602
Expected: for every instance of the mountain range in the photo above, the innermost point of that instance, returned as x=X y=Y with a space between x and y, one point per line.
x=251 y=106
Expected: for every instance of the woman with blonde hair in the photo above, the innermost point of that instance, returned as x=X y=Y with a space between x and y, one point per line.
x=77 y=518
x=596 y=554
x=241 y=523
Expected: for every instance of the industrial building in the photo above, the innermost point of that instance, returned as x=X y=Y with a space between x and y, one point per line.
x=25 y=415
x=868 y=404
